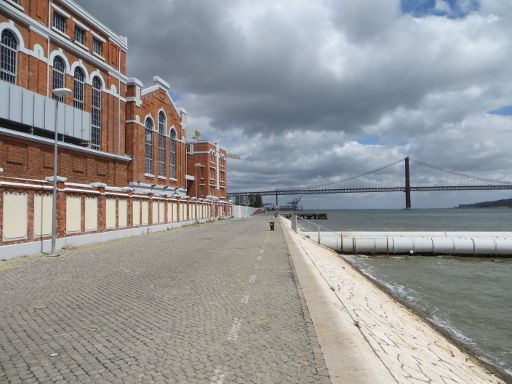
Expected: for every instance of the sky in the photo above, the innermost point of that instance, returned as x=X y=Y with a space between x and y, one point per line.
x=312 y=91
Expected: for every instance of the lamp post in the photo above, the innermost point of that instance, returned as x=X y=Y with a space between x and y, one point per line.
x=59 y=93
x=197 y=165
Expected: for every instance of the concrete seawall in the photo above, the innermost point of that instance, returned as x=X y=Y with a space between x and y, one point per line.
x=366 y=335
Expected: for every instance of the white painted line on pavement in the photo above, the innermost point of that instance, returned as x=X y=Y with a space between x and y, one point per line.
x=245 y=299
x=252 y=279
x=219 y=377
x=235 y=329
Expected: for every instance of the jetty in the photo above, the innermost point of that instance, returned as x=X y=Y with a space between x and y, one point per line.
x=306 y=215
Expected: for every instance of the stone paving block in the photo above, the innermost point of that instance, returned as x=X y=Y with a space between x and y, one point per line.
x=182 y=306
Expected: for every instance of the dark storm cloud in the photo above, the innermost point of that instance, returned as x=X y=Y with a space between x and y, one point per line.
x=294 y=85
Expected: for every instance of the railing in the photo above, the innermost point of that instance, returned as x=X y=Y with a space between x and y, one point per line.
x=310 y=227
x=22 y=106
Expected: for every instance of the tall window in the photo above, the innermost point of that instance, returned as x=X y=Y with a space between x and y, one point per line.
x=78 y=89
x=161 y=143
x=59 y=22
x=172 y=152
x=79 y=35
x=97 y=46
x=96 y=113
x=149 y=145
x=8 y=57
x=58 y=76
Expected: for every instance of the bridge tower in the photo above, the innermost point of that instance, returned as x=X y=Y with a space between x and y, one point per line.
x=407 y=184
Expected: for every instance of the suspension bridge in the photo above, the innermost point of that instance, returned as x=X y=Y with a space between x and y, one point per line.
x=428 y=178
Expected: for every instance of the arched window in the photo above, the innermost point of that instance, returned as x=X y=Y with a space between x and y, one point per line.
x=162 y=122
x=8 y=57
x=96 y=113
x=78 y=89
x=172 y=152
x=149 y=146
x=58 y=75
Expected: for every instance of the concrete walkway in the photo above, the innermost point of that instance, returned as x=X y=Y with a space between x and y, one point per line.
x=217 y=303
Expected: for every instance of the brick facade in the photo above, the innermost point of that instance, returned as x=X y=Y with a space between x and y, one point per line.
x=126 y=106
x=207 y=163
x=154 y=105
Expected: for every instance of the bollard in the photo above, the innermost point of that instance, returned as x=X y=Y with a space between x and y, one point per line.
x=271 y=225
x=294 y=223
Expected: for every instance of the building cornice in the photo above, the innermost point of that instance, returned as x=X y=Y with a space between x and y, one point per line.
x=122 y=41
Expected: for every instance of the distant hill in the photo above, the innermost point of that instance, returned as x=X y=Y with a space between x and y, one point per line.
x=505 y=203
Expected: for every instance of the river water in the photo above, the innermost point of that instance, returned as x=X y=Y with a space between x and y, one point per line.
x=469 y=297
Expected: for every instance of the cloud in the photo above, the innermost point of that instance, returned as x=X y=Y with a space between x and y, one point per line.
x=295 y=87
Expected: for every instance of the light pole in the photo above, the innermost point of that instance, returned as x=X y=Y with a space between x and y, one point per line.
x=197 y=165
x=59 y=93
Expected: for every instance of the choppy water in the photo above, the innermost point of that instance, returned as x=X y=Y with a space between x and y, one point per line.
x=469 y=297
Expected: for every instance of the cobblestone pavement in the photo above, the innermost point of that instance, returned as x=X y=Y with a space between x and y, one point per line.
x=217 y=303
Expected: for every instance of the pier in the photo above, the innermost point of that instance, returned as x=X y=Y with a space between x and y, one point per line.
x=306 y=215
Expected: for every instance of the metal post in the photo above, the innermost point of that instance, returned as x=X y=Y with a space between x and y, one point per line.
x=407 y=184
x=55 y=173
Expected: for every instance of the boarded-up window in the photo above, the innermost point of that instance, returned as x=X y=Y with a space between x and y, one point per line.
x=182 y=211
x=73 y=214
x=43 y=208
x=161 y=212
x=169 y=212
x=91 y=214
x=15 y=216
x=123 y=213
x=174 y=212
x=136 y=213
x=154 y=219
x=110 y=219
x=145 y=213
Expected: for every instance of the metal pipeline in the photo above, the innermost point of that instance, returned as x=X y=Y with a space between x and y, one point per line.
x=417 y=243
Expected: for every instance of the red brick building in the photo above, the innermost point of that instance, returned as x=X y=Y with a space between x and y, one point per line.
x=155 y=137
x=122 y=147
x=207 y=163
x=111 y=129
x=47 y=45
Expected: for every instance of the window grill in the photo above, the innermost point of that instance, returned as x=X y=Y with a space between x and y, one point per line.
x=8 y=57
x=96 y=114
x=161 y=143
x=149 y=146
x=172 y=152
x=80 y=35
x=59 y=22
x=78 y=89
x=58 y=76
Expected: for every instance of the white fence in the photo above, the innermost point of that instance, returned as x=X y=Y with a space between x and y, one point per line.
x=240 y=211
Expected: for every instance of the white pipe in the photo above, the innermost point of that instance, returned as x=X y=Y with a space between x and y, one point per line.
x=462 y=243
